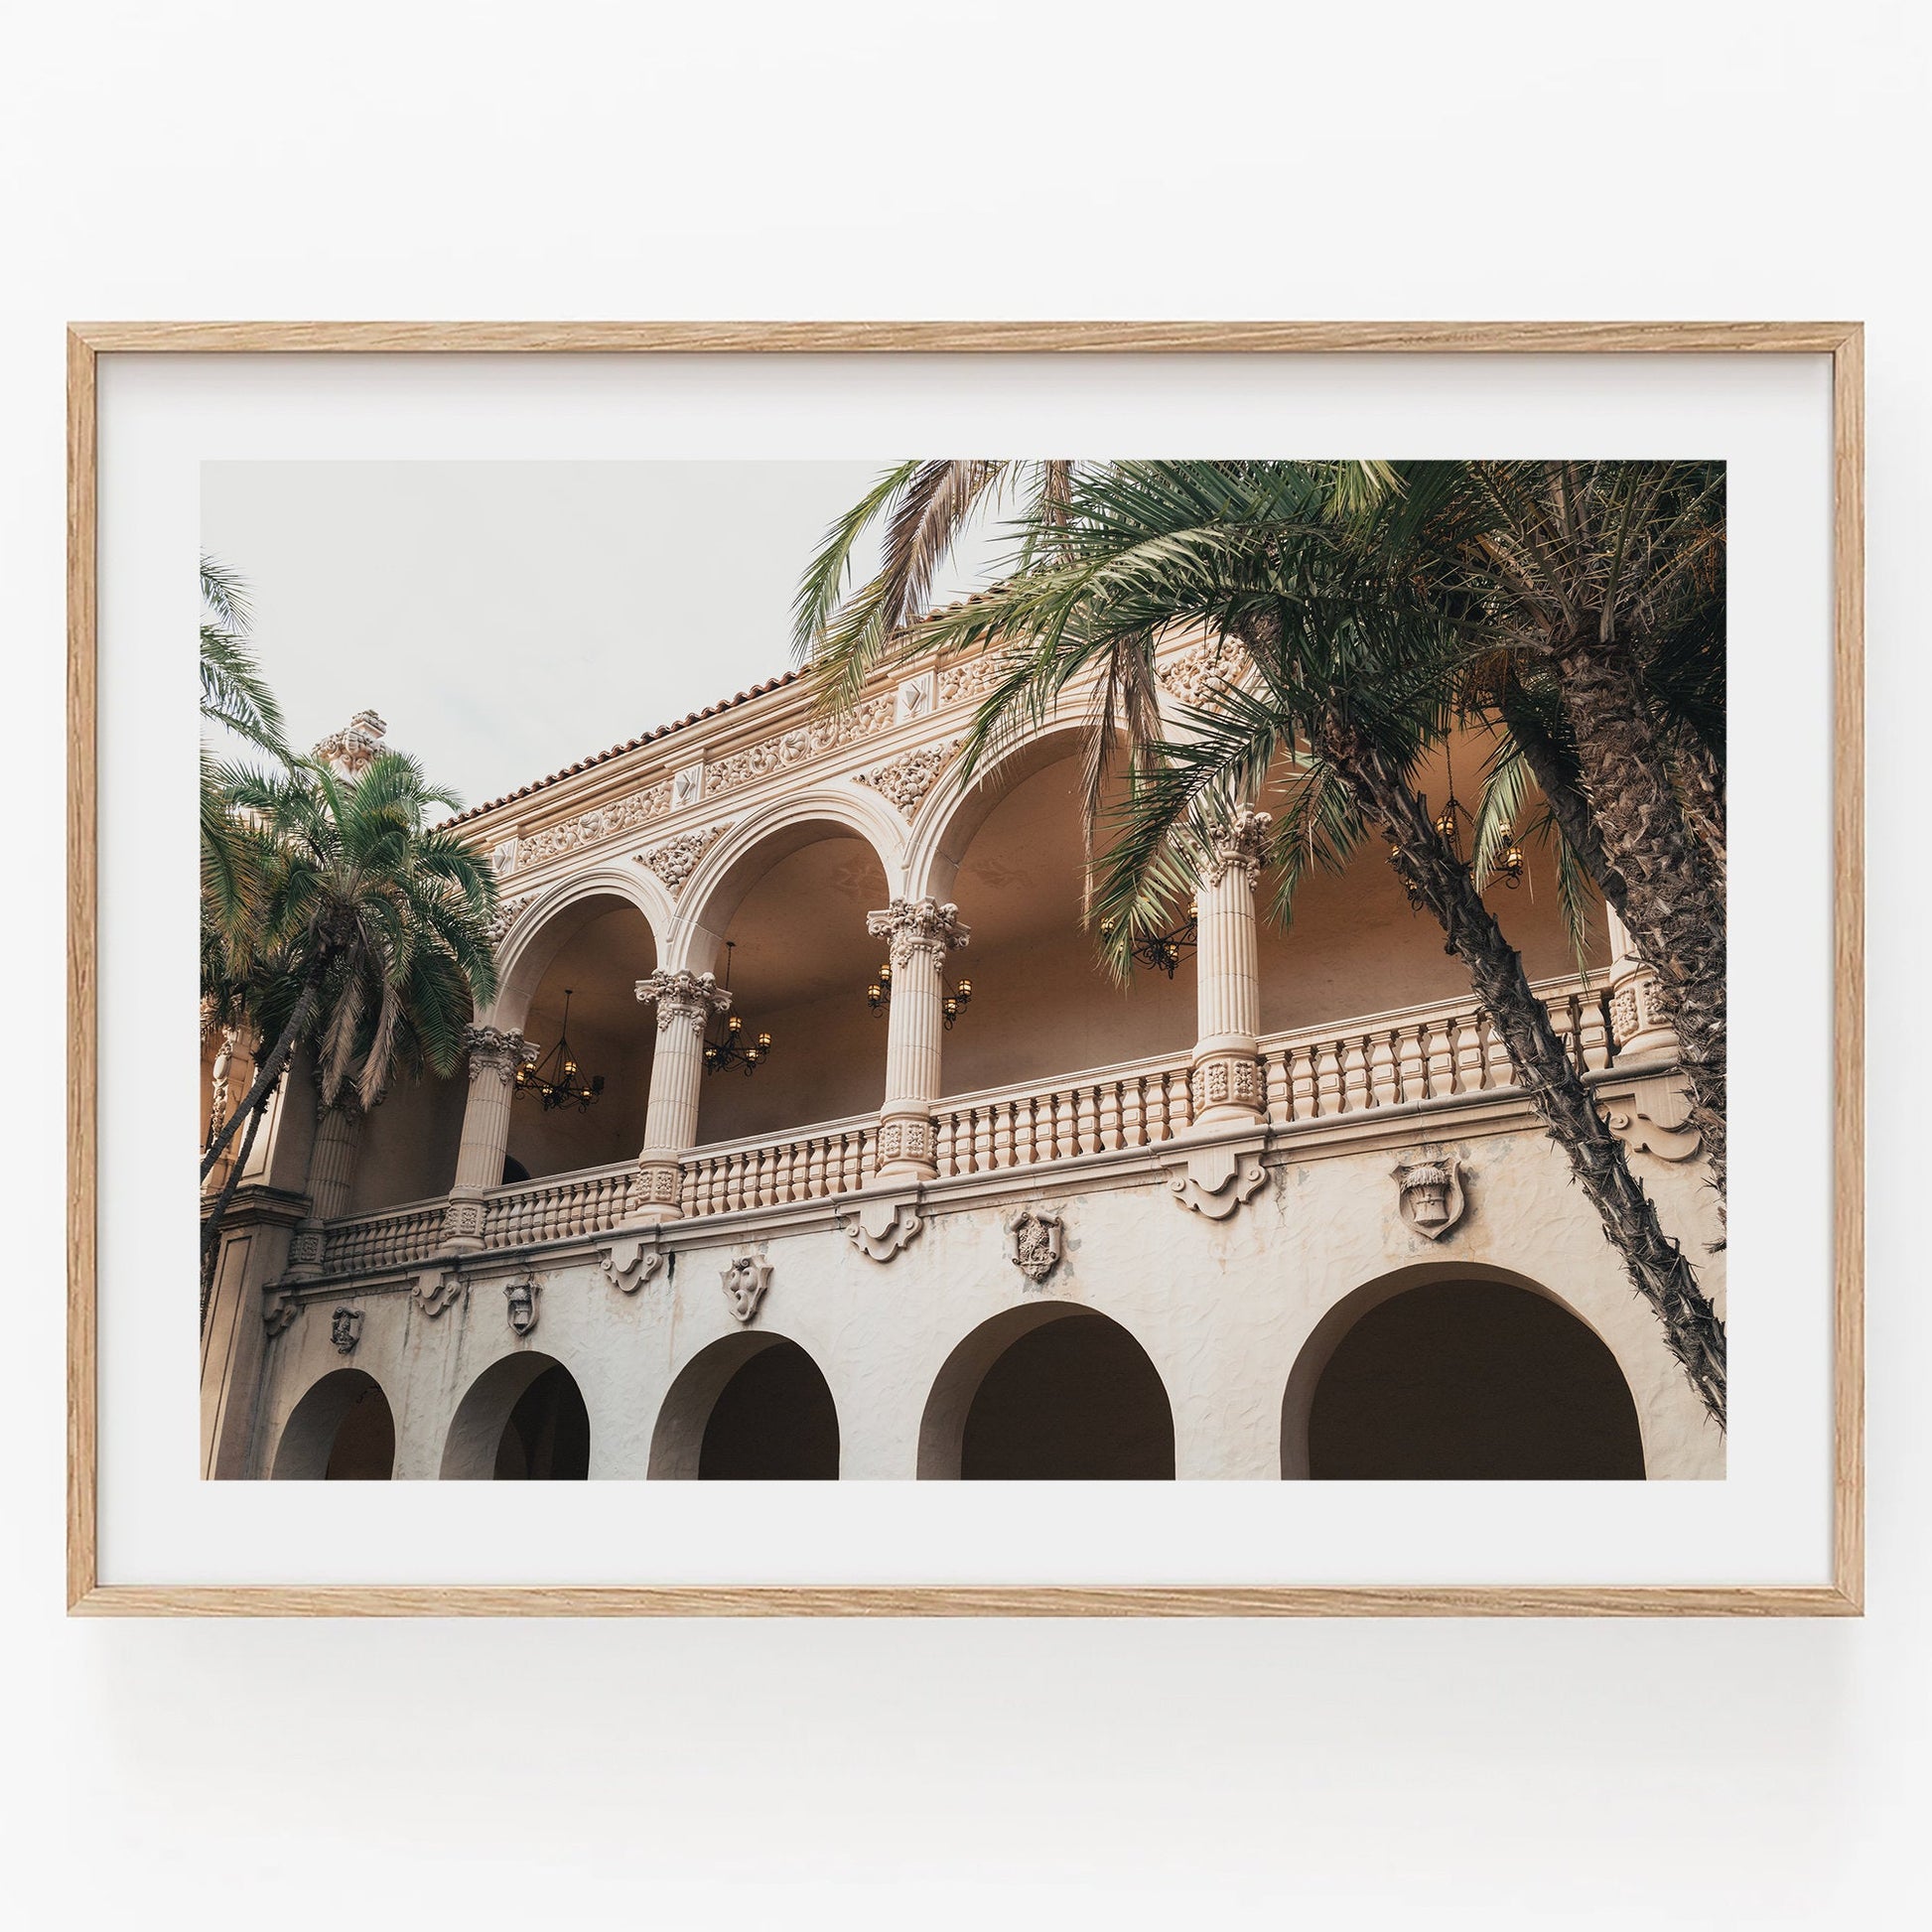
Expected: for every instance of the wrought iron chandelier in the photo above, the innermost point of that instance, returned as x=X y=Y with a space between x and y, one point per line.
x=1165 y=951
x=953 y=1002
x=728 y=1049
x=554 y=1077
x=1509 y=868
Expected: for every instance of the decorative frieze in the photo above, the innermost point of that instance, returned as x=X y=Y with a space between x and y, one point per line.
x=1034 y=1240
x=969 y=679
x=594 y=827
x=677 y=858
x=905 y=781
x=746 y=1278
x=1429 y=1192
x=508 y=913
x=807 y=740
x=346 y=1329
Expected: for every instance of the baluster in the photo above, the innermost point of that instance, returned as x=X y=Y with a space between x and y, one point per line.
x=1408 y=1064
x=1382 y=1079
x=982 y=1140
x=1274 y=1087
x=1109 y=1115
x=1469 y=1055
x=1439 y=1062
x=868 y=1155
x=1133 y=1115
x=1022 y=1131
x=1328 y=1078
x=1002 y=1133
x=1086 y=1120
x=1497 y=1070
x=1181 y=1101
x=852 y=1147
x=815 y=1168
x=1352 y=1055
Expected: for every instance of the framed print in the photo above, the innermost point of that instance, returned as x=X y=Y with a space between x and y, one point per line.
x=792 y=1021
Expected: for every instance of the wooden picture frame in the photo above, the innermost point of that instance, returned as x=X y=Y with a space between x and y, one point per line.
x=1841 y=342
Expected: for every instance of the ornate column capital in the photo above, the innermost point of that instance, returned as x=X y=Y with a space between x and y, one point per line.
x=1243 y=841
x=495 y=1052
x=915 y=927
x=690 y=997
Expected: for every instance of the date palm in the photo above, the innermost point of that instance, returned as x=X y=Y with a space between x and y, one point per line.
x=1349 y=673
x=370 y=941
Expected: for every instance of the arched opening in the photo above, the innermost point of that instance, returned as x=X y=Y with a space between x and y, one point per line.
x=1459 y=1378
x=1014 y=858
x=1356 y=947
x=1049 y=1391
x=522 y=1419
x=787 y=920
x=749 y=1408
x=342 y=1431
x=598 y=950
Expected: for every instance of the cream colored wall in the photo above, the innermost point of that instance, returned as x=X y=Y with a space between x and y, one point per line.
x=409 y=1142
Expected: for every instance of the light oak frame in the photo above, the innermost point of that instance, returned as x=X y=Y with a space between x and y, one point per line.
x=1842 y=343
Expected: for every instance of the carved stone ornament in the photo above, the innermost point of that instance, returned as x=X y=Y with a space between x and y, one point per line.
x=687 y=786
x=905 y=1140
x=690 y=997
x=883 y=1228
x=506 y=915
x=1431 y=1195
x=655 y=1185
x=521 y=1297
x=1197 y=674
x=1654 y=1118
x=677 y=858
x=306 y=1248
x=1217 y=1179
x=346 y=1329
x=279 y=1308
x=494 y=1052
x=1242 y=842
x=436 y=1289
x=746 y=1278
x=919 y=925
x=352 y=749
x=629 y=1265
x=905 y=781
x=1034 y=1242
x=915 y=697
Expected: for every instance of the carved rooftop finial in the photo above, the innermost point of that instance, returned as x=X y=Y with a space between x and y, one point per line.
x=352 y=750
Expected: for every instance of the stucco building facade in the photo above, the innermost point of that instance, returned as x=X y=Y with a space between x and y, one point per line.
x=1277 y=1213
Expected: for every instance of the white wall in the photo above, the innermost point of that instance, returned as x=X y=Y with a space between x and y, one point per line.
x=426 y=160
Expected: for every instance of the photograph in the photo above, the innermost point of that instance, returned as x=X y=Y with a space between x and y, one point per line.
x=944 y=968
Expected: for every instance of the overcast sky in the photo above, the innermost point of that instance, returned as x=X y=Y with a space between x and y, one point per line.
x=507 y=619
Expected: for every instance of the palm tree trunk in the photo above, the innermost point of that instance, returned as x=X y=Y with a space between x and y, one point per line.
x=268 y=1073
x=1673 y=902
x=212 y=1221
x=1567 y=805
x=1657 y=1266
x=1702 y=784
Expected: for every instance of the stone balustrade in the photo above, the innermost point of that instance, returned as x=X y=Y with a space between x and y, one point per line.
x=1415 y=1057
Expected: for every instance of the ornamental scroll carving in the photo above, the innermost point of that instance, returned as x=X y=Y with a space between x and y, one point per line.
x=883 y=1228
x=915 y=927
x=506 y=915
x=1197 y=674
x=436 y=1288
x=1216 y=1180
x=746 y=1278
x=906 y=781
x=346 y=1329
x=677 y=858
x=690 y=997
x=629 y=1265
x=974 y=677
x=1034 y=1242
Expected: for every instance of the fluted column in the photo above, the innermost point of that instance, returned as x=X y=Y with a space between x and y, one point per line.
x=685 y=1002
x=1226 y=1075
x=495 y=1057
x=921 y=932
x=1636 y=1019
x=332 y=1172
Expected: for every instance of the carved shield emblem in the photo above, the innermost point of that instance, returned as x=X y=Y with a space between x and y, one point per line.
x=745 y=1279
x=1034 y=1243
x=1431 y=1195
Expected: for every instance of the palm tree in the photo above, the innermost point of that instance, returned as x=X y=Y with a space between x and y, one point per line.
x=370 y=941
x=1599 y=586
x=1349 y=673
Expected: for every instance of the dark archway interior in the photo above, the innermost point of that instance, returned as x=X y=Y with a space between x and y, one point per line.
x=773 y=1421
x=547 y=1438
x=365 y=1448
x=1076 y=1400
x=1472 y=1381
